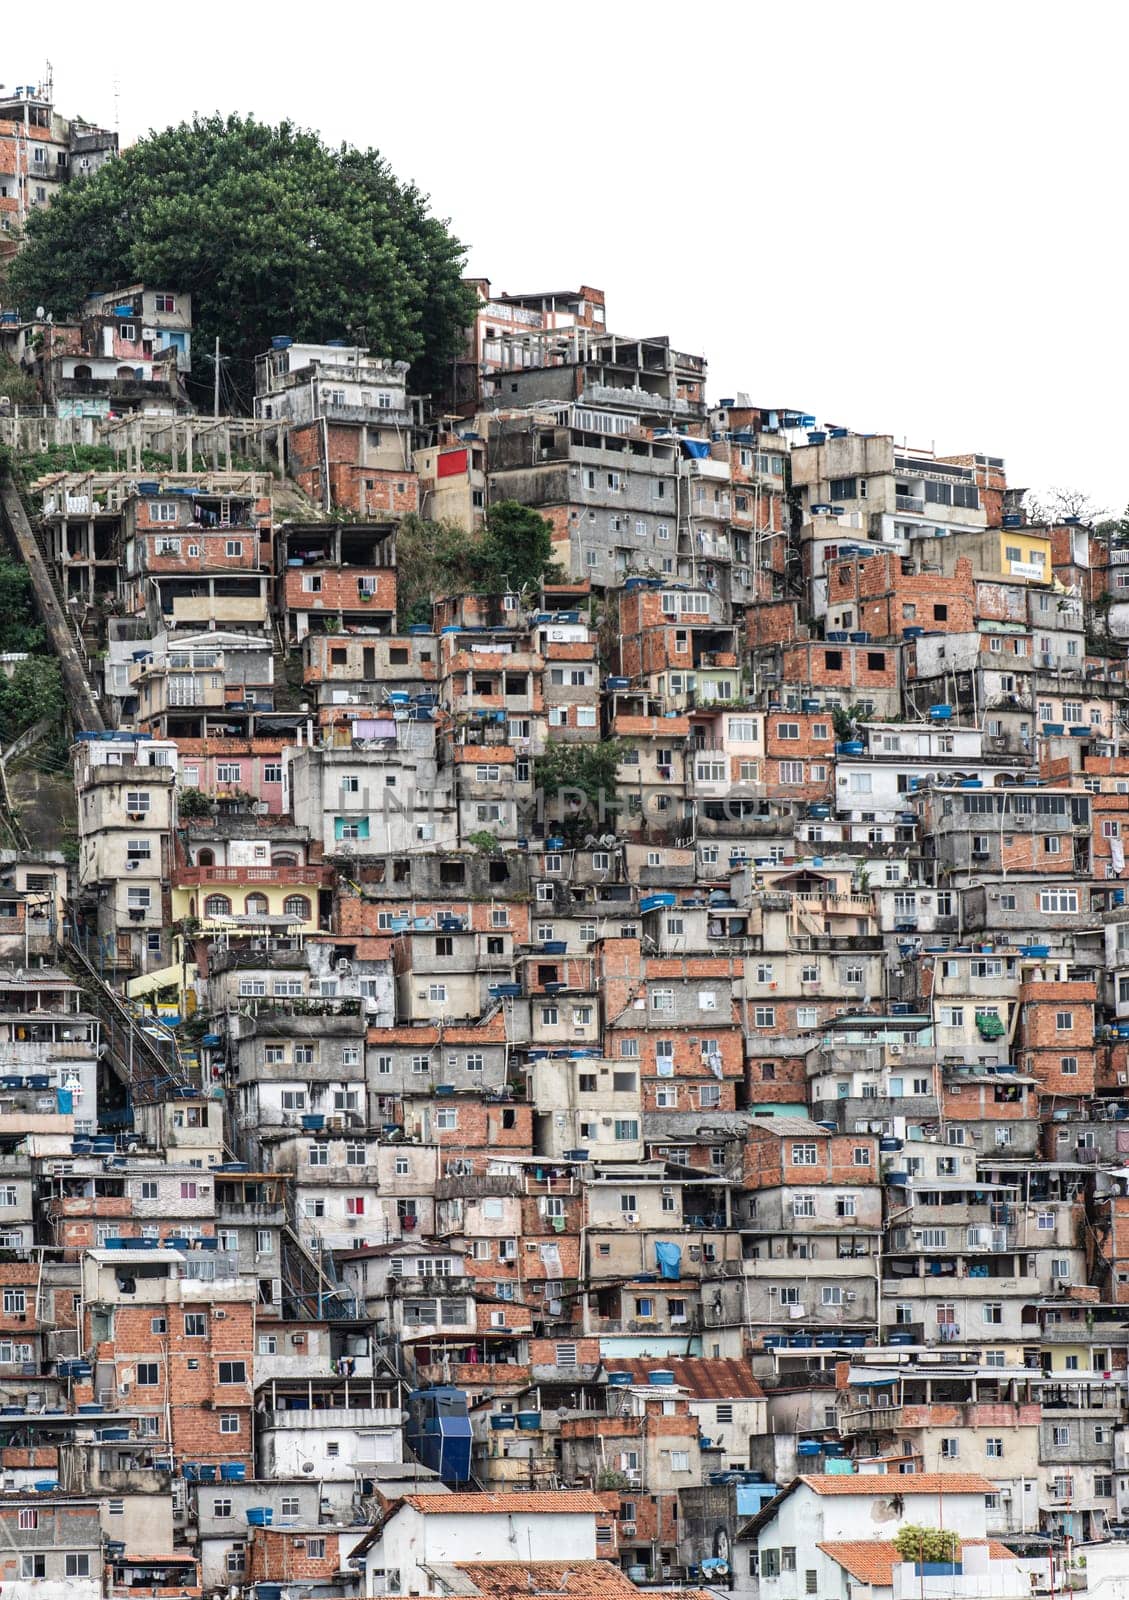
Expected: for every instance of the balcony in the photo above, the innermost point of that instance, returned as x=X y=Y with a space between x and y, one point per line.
x=261 y=1216
x=910 y=502
x=193 y=877
x=333 y=1417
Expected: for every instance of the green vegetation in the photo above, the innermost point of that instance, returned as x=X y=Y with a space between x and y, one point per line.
x=28 y=468
x=33 y=692
x=582 y=777
x=513 y=551
x=193 y=803
x=18 y=386
x=19 y=629
x=845 y=720
x=588 y=768
x=916 y=1543
x=271 y=232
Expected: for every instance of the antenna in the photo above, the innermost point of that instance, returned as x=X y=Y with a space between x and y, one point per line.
x=49 y=82
x=117 y=106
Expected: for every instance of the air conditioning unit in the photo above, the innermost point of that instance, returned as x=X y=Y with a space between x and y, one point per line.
x=631 y=1216
x=895 y=1049
x=132 y=866
x=627 y=1529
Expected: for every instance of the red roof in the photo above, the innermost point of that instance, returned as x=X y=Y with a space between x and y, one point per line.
x=889 y=1483
x=704 y=1377
x=559 y=1502
x=874 y=1560
x=588 y=1580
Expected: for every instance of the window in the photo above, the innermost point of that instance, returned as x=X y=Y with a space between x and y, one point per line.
x=994 y=1449
x=680 y=1461
x=229 y=1422
x=32 y=1566
x=233 y=1372
x=78 y=1564
x=950 y=1449
x=804 y=1155
x=1061 y=900
x=764 y=1016
x=195 y=1325
x=993 y=1312
x=792 y=772
x=315 y=1549
x=662 y=999
x=29 y=1518
x=148 y=1374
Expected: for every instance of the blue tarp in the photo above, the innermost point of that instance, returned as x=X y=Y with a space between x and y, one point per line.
x=698 y=448
x=668 y=1259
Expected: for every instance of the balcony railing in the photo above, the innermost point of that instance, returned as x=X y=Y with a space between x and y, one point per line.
x=190 y=877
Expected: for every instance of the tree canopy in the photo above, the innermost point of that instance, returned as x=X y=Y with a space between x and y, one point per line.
x=512 y=551
x=270 y=231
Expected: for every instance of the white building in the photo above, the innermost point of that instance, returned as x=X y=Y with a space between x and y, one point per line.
x=422 y=1531
x=793 y=1530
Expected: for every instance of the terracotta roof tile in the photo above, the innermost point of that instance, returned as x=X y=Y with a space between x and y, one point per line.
x=705 y=1378
x=889 y=1483
x=587 y=1580
x=549 y=1501
x=867 y=1560
x=873 y=1560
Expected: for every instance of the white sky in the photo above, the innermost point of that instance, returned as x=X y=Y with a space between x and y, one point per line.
x=903 y=218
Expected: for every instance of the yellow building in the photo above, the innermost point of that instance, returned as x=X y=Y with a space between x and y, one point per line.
x=1025 y=554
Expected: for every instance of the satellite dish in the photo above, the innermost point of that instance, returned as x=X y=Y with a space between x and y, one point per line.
x=39 y=312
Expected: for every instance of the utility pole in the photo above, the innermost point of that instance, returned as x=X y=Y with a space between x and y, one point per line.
x=216 y=388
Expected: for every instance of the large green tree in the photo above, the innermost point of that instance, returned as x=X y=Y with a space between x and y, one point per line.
x=271 y=232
